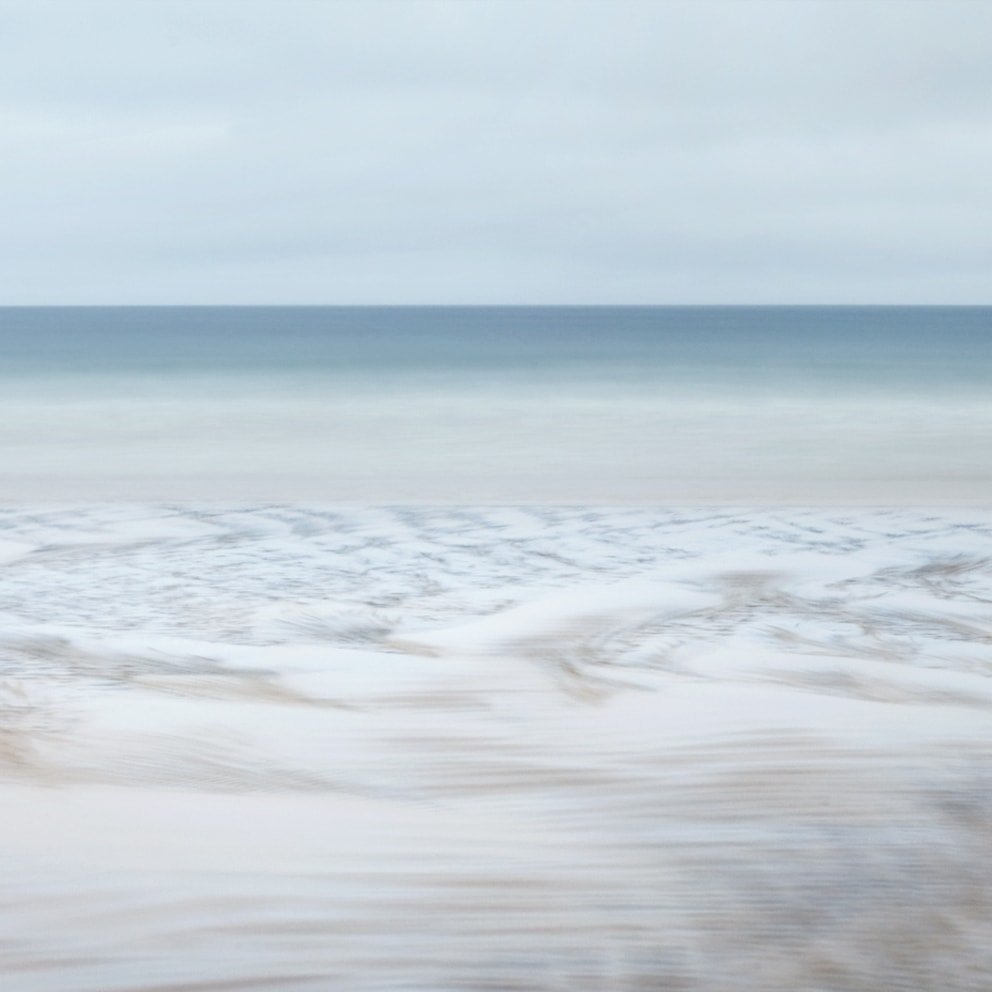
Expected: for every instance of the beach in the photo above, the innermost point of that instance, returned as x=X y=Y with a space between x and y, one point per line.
x=449 y=649
x=318 y=746
x=495 y=496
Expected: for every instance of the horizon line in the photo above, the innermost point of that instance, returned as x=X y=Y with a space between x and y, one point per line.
x=486 y=306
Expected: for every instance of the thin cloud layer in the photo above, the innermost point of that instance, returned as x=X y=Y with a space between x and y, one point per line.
x=229 y=151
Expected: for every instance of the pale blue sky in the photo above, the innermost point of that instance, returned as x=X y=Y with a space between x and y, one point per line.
x=248 y=151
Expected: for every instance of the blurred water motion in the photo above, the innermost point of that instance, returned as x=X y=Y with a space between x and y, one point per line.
x=439 y=405
x=306 y=747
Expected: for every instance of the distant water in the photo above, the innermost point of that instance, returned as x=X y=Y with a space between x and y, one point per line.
x=498 y=404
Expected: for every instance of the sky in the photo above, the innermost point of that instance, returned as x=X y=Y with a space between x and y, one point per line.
x=512 y=151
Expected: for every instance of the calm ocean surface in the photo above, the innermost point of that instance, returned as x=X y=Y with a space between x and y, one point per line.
x=498 y=404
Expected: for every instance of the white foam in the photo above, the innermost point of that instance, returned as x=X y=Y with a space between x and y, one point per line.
x=532 y=730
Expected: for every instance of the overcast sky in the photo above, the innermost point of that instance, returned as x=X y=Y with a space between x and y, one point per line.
x=512 y=151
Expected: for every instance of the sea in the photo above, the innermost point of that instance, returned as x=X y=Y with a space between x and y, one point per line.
x=448 y=649
x=785 y=405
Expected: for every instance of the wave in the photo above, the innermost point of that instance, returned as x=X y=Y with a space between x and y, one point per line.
x=313 y=746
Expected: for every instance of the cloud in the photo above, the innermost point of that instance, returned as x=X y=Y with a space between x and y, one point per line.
x=240 y=151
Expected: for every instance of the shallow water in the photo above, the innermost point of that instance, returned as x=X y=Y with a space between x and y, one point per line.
x=308 y=746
